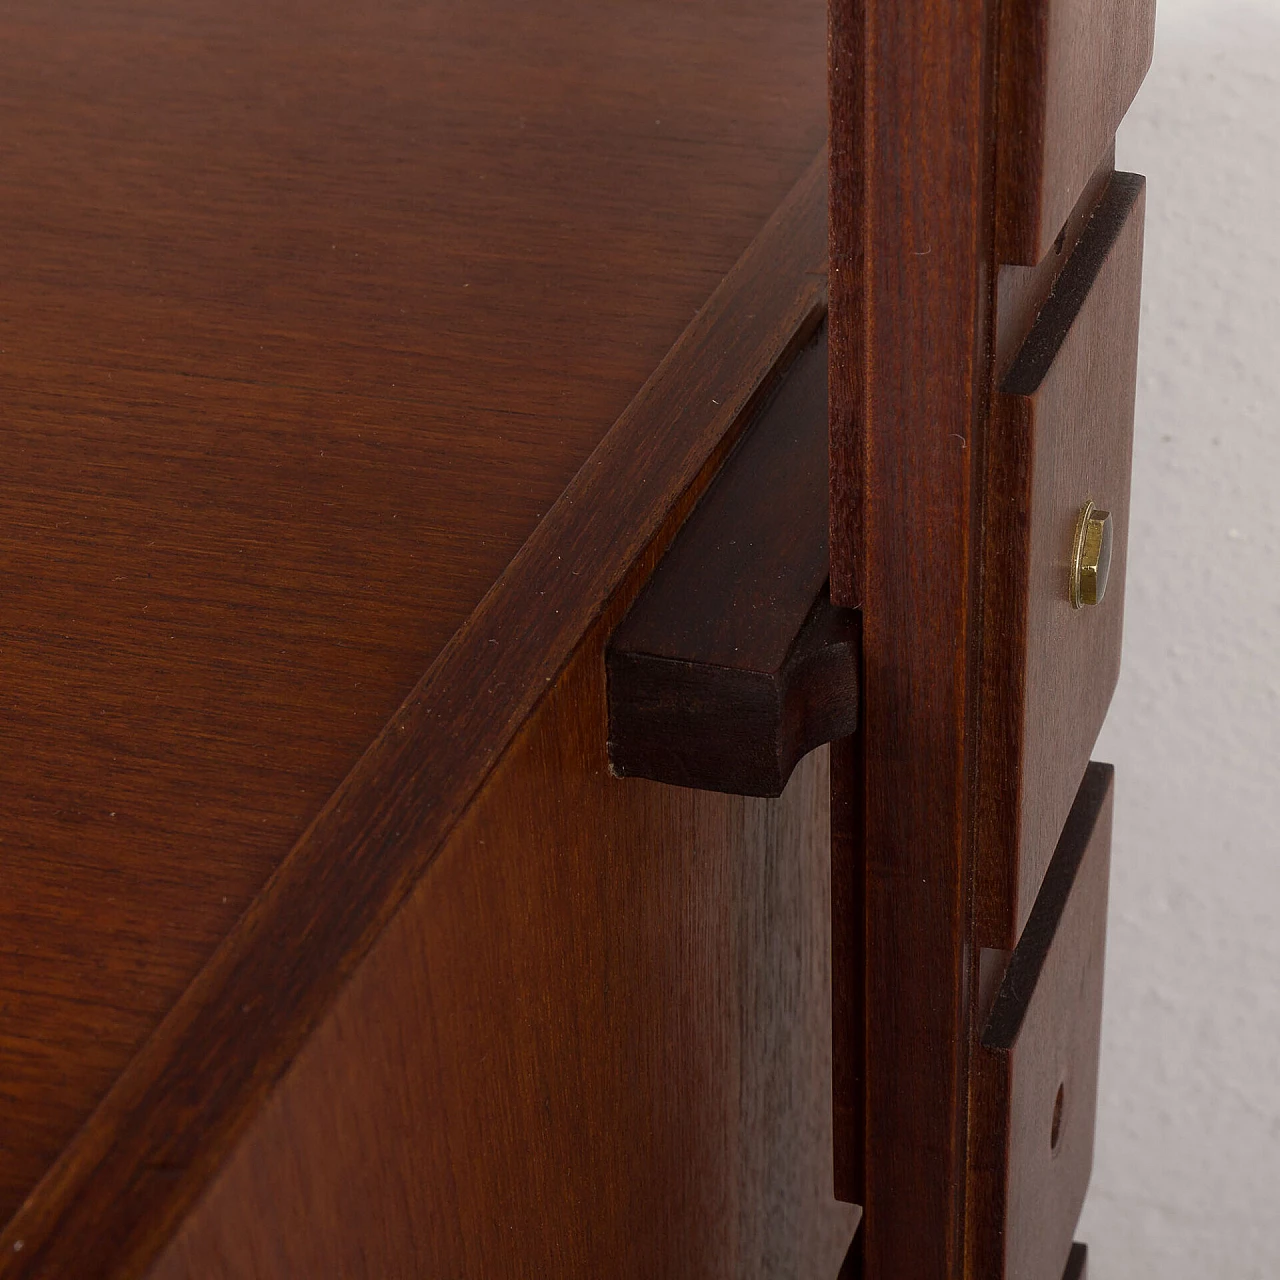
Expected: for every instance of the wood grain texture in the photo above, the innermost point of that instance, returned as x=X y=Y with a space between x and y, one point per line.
x=1062 y=434
x=132 y=1172
x=594 y=1042
x=308 y=319
x=1068 y=71
x=849 y=977
x=848 y=83
x=733 y=663
x=1036 y=1076
x=951 y=127
x=912 y=273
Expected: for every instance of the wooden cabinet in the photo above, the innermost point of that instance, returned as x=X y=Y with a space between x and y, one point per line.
x=542 y=691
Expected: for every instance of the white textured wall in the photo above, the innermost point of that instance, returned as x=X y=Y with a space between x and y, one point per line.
x=1187 y=1177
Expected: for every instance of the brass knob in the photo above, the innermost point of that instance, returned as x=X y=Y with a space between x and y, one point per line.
x=1091 y=557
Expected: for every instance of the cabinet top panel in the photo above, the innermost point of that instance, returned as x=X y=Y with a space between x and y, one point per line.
x=310 y=313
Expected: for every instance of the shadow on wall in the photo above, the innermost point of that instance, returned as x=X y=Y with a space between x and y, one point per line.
x=1187 y=1176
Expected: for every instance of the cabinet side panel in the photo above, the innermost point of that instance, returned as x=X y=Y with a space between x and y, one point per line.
x=913 y=167
x=594 y=1041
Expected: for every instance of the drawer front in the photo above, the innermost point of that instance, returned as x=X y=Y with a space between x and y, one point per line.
x=1074 y=67
x=1063 y=435
x=1037 y=1069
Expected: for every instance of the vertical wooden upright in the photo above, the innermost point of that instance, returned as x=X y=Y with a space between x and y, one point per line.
x=912 y=164
x=983 y=310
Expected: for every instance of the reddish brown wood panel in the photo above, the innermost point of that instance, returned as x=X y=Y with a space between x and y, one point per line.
x=1036 y=1075
x=848 y=83
x=1061 y=435
x=594 y=1042
x=132 y=1172
x=954 y=129
x=308 y=318
x=1068 y=71
x=912 y=151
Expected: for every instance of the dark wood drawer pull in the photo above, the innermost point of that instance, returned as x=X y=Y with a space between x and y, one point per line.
x=733 y=664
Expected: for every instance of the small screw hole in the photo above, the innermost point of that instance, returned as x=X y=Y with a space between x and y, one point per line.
x=1056 y=1131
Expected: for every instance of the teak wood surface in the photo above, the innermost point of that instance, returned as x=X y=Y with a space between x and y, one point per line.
x=909 y=320
x=1062 y=432
x=308 y=329
x=348 y=346
x=972 y=145
x=593 y=1042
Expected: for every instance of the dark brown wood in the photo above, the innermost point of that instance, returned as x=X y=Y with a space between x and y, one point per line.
x=309 y=325
x=1036 y=1078
x=308 y=319
x=1022 y=291
x=149 y=1149
x=592 y=1043
x=849 y=80
x=960 y=134
x=1078 y=1263
x=848 y=976
x=912 y=164
x=734 y=664
x=1068 y=71
x=1062 y=434
x=742 y=730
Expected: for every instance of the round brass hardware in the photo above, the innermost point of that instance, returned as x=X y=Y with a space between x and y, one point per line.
x=1091 y=557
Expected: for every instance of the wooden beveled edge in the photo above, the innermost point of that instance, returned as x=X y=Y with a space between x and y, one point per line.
x=124 y=1183
x=1075 y=281
x=1022 y=976
x=1077 y=1263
